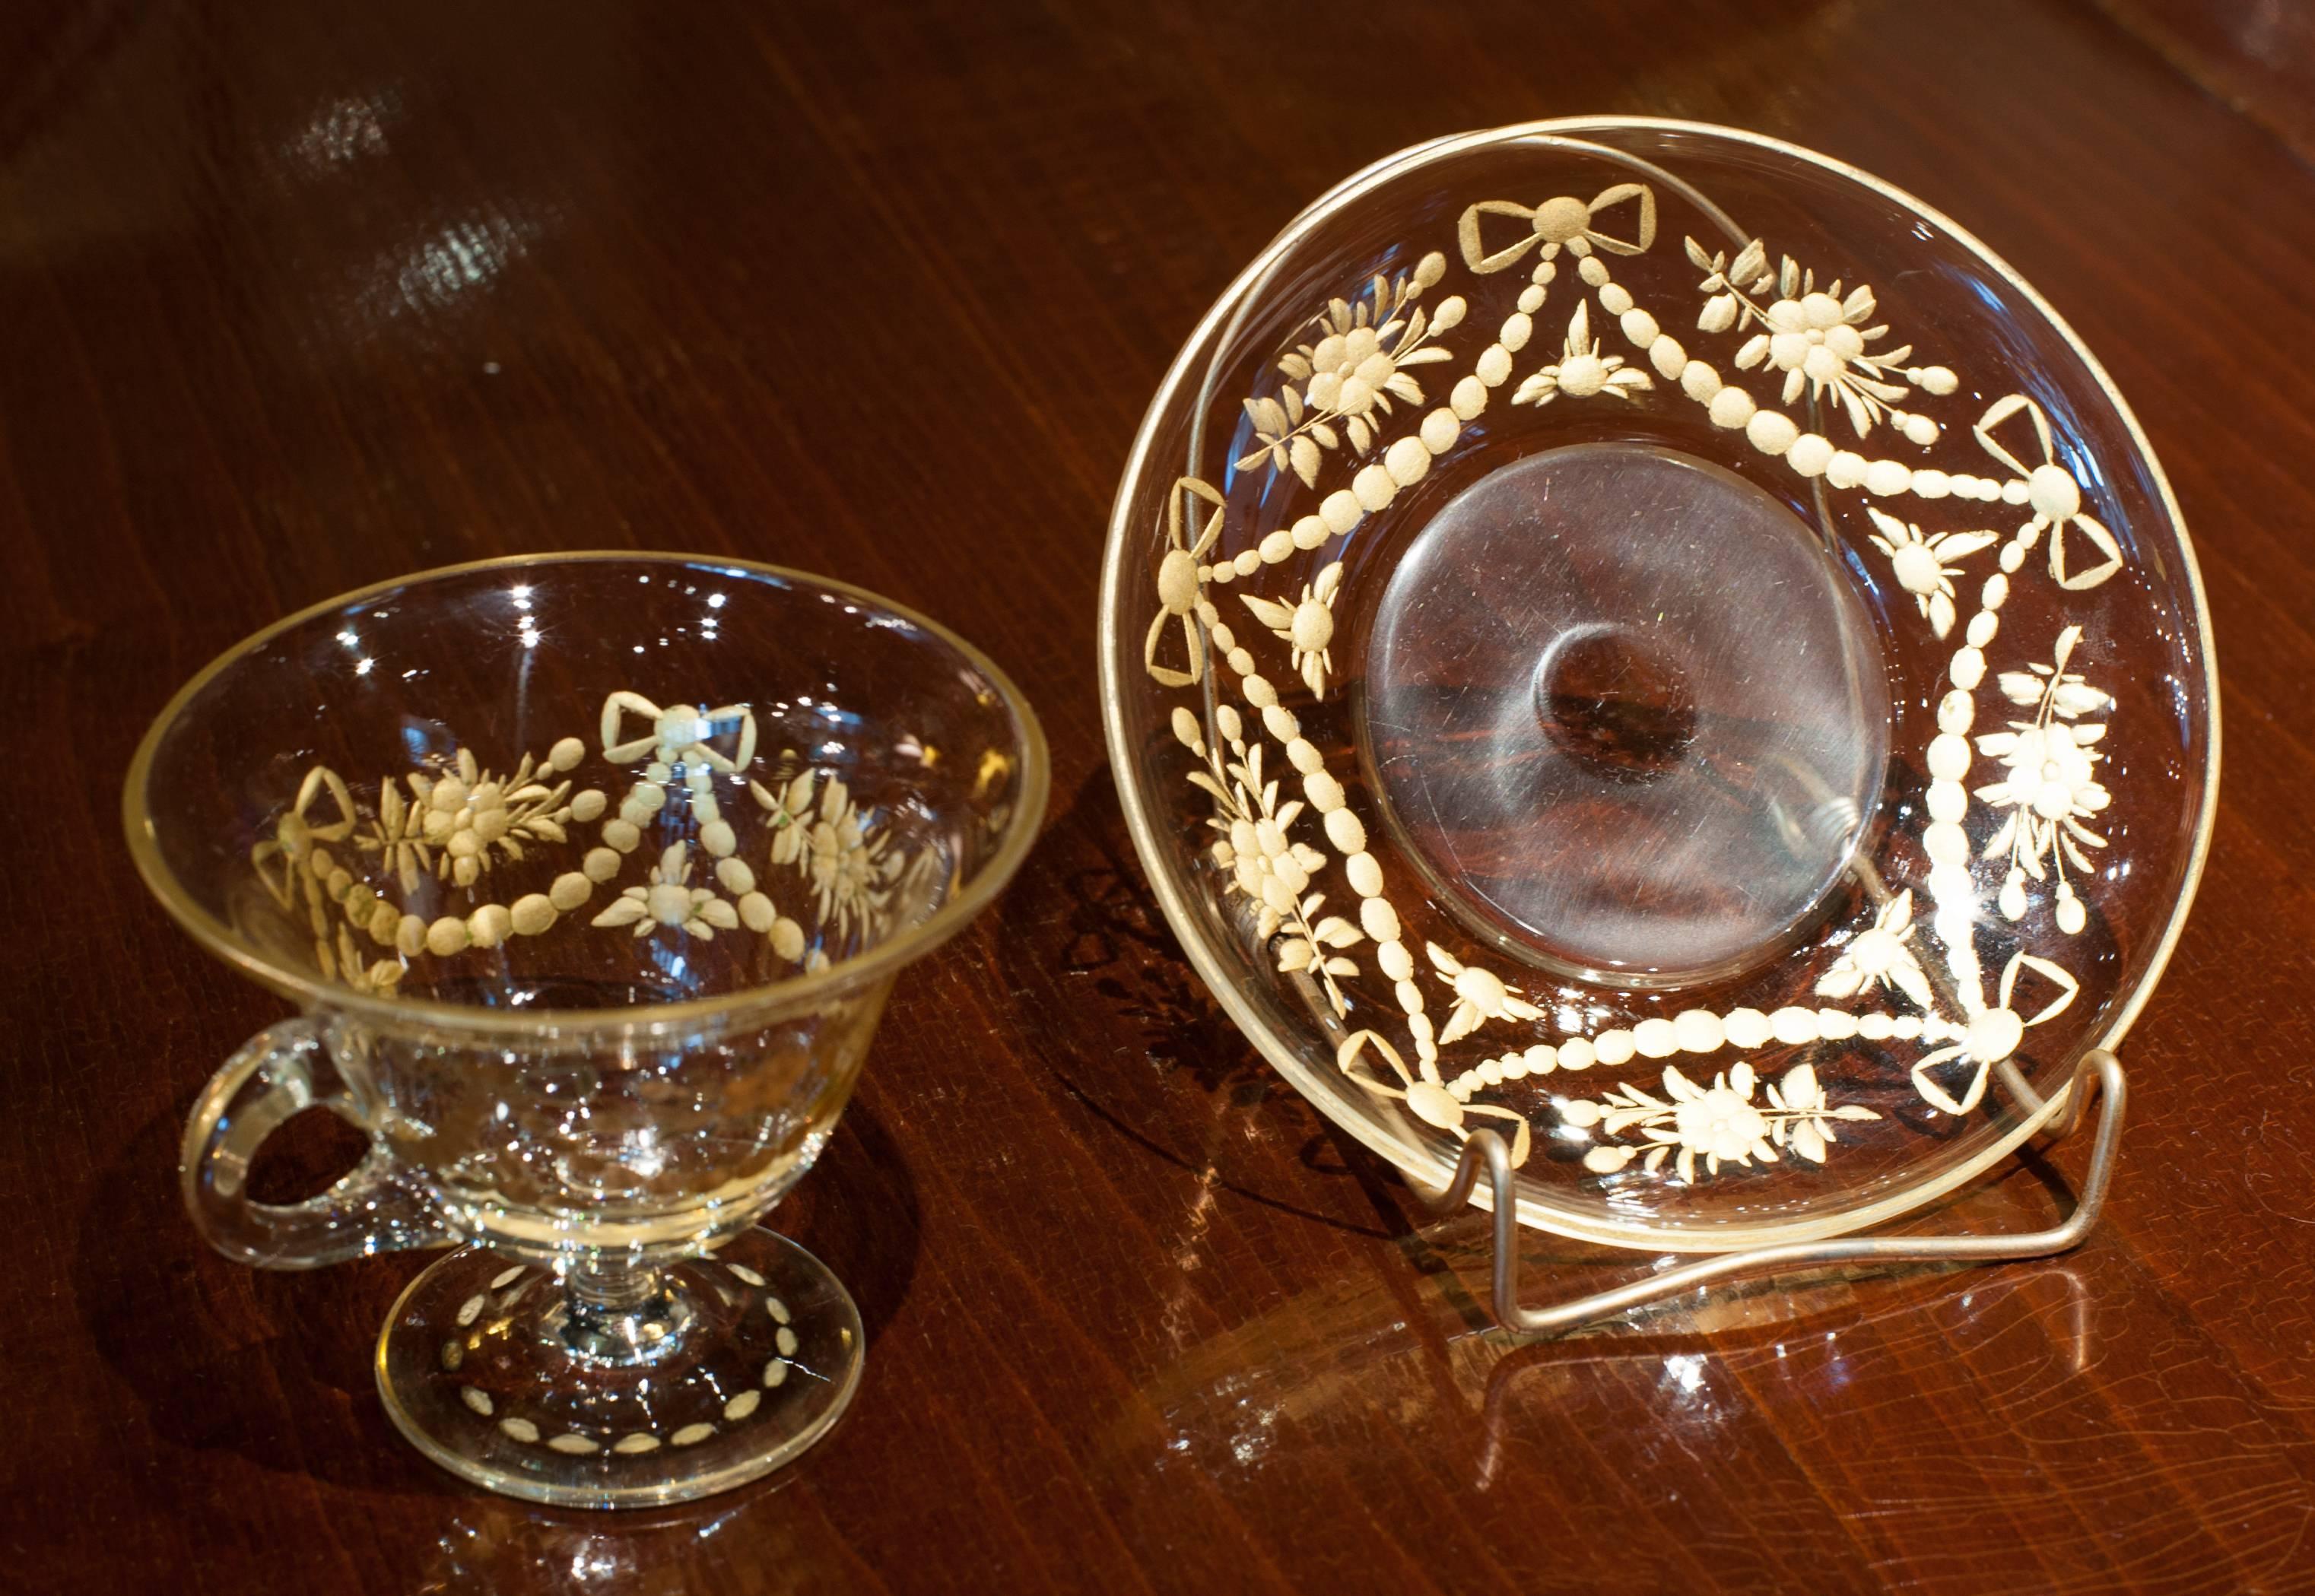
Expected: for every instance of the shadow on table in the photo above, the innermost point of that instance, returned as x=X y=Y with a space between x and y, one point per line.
x=1365 y=1363
x=1082 y=908
x=1082 y=916
x=274 y=1367
x=1370 y=1355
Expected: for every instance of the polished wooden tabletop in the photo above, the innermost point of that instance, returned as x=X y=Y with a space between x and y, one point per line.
x=296 y=294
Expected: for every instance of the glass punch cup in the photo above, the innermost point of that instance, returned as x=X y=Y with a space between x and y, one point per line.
x=590 y=875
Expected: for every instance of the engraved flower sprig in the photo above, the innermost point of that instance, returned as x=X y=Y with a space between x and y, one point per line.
x=2050 y=784
x=1882 y=955
x=1712 y=1125
x=1925 y=564
x=788 y=808
x=1307 y=627
x=1582 y=370
x=670 y=900
x=1480 y=996
x=1265 y=863
x=1817 y=337
x=457 y=821
x=1341 y=382
x=848 y=861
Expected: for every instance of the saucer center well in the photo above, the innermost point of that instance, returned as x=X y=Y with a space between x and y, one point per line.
x=1626 y=712
x=1615 y=700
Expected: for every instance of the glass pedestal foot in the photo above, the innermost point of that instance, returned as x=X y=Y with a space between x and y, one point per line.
x=620 y=1385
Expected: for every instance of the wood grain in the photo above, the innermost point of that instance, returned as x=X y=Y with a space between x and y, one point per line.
x=301 y=296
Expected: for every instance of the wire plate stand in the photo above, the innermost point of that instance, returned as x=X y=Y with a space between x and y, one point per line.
x=2099 y=1074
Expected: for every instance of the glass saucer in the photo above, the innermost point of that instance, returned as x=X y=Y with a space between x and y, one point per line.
x=1651 y=640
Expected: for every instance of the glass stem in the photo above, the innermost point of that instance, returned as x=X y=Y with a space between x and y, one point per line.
x=618 y=1311
x=610 y=1284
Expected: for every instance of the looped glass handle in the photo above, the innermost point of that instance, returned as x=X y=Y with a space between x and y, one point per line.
x=377 y=1208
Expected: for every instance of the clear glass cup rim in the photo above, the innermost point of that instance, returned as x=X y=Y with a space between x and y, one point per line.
x=1427 y=1161
x=1022 y=828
